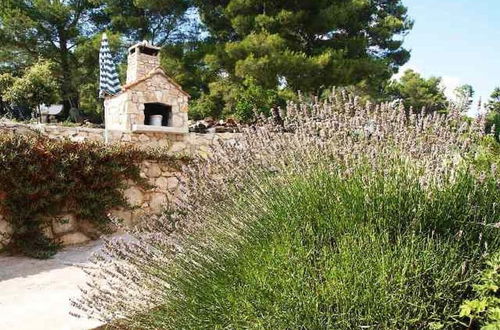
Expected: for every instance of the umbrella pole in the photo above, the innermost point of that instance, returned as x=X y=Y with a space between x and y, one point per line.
x=106 y=135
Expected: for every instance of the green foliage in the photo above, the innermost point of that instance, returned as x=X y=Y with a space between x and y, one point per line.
x=37 y=86
x=238 y=101
x=6 y=82
x=160 y=21
x=252 y=98
x=307 y=46
x=488 y=154
x=493 y=124
x=417 y=92
x=493 y=117
x=87 y=73
x=484 y=311
x=277 y=45
x=494 y=103
x=206 y=106
x=327 y=251
x=47 y=29
x=185 y=63
x=464 y=97
x=41 y=178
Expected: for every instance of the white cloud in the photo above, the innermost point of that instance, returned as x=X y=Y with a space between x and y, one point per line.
x=450 y=83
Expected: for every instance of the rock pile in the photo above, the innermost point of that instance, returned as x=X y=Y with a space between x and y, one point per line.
x=209 y=125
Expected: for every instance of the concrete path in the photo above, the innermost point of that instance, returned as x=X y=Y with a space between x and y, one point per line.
x=34 y=294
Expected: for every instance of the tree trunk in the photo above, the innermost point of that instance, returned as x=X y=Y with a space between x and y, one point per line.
x=39 y=113
x=69 y=93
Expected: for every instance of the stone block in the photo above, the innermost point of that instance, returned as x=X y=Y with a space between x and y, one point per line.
x=162 y=183
x=73 y=238
x=126 y=138
x=64 y=224
x=173 y=183
x=154 y=171
x=134 y=196
x=89 y=229
x=47 y=231
x=163 y=143
x=124 y=216
x=165 y=167
x=78 y=138
x=143 y=138
x=159 y=96
x=150 y=97
x=177 y=147
x=158 y=202
x=6 y=231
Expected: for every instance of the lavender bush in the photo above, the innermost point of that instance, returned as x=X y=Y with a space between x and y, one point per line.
x=347 y=215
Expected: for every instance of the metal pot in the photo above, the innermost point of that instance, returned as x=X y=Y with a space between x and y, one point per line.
x=155 y=120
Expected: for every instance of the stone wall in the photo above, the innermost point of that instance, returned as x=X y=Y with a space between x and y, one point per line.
x=190 y=144
x=66 y=229
x=164 y=180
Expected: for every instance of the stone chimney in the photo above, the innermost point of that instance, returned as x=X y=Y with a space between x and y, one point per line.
x=142 y=59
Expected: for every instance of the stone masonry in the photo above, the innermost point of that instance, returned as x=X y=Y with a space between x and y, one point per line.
x=147 y=85
x=163 y=179
x=67 y=230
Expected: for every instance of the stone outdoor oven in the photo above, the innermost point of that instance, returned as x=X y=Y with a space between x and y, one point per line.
x=150 y=101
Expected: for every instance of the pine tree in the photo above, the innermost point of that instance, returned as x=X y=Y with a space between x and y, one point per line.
x=158 y=21
x=419 y=93
x=304 y=45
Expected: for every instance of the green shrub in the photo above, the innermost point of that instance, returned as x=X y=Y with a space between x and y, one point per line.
x=485 y=310
x=358 y=216
x=330 y=252
x=37 y=86
x=41 y=178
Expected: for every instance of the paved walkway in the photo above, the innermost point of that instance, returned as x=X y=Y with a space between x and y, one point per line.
x=34 y=294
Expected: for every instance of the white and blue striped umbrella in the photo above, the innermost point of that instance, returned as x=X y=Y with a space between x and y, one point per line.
x=109 y=84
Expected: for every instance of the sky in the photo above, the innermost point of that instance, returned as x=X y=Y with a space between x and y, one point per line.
x=458 y=40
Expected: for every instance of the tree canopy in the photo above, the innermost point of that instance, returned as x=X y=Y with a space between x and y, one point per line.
x=159 y=21
x=233 y=56
x=493 y=116
x=301 y=45
x=464 y=95
x=417 y=92
x=50 y=29
x=36 y=87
